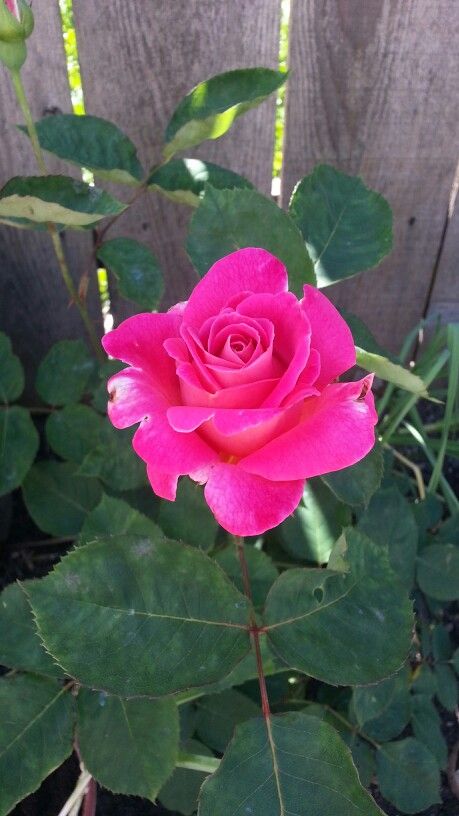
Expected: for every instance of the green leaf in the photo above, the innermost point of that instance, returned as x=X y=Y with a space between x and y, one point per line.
x=346 y=226
x=114 y=516
x=285 y=768
x=449 y=531
x=36 y=734
x=184 y=180
x=136 y=269
x=64 y=372
x=455 y=660
x=438 y=571
x=262 y=571
x=181 y=791
x=129 y=746
x=447 y=686
x=389 y=521
x=74 y=431
x=99 y=387
x=362 y=335
x=383 y=710
x=114 y=460
x=391 y=372
x=210 y=109
x=90 y=142
x=356 y=622
x=11 y=371
x=311 y=533
x=426 y=724
x=58 y=499
x=20 y=646
x=408 y=775
x=58 y=199
x=355 y=485
x=18 y=445
x=227 y=220
x=137 y=616
x=188 y=519
x=218 y=715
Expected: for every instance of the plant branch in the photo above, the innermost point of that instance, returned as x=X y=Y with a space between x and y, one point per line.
x=90 y=799
x=55 y=237
x=197 y=762
x=77 y=794
x=415 y=468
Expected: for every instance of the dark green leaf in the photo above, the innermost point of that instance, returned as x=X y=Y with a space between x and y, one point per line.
x=210 y=109
x=227 y=220
x=58 y=499
x=424 y=681
x=408 y=775
x=20 y=646
x=286 y=770
x=426 y=724
x=136 y=270
x=114 y=516
x=58 y=199
x=347 y=227
x=447 y=686
x=355 y=485
x=449 y=531
x=262 y=571
x=114 y=461
x=438 y=571
x=312 y=531
x=188 y=519
x=129 y=746
x=36 y=734
x=218 y=715
x=442 y=648
x=90 y=142
x=383 y=710
x=74 y=431
x=389 y=521
x=11 y=371
x=64 y=372
x=181 y=792
x=455 y=660
x=347 y=624
x=18 y=446
x=184 y=180
x=362 y=335
x=99 y=388
x=137 y=616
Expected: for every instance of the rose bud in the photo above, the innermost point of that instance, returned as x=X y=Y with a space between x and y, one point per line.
x=16 y=24
x=237 y=389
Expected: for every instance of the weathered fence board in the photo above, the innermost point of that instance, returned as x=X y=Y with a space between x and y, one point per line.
x=444 y=298
x=373 y=90
x=34 y=304
x=138 y=60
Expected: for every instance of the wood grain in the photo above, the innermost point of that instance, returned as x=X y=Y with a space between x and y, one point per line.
x=443 y=302
x=34 y=304
x=138 y=60
x=373 y=90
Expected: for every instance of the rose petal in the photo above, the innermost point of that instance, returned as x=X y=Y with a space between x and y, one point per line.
x=186 y=418
x=247 y=270
x=250 y=395
x=249 y=505
x=330 y=335
x=336 y=432
x=163 y=484
x=171 y=452
x=139 y=342
x=132 y=397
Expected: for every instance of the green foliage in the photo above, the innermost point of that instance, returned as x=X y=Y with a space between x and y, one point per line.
x=136 y=270
x=11 y=372
x=346 y=226
x=129 y=746
x=64 y=373
x=124 y=613
x=355 y=485
x=383 y=710
x=61 y=199
x=114 y=516
x=262 y=571
x=184 y=180
x=74 y=431
x=18 y=446
x=286 y=769
x=227 y=220
x=90 y=142
x=316 y=525
x=36 y=714
x=181 y=791
x=20 y=646
x=57 y=498
x=188 y=519
x=210 y=109
x=438 y=571
x=389 y=521
x=113 y=460
x=408 y=775
x=219 y=714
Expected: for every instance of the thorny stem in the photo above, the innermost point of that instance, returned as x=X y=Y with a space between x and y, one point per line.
x=55 y=237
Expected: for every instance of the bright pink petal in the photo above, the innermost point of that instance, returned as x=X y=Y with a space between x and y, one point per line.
x=248 y=505
x=163 y=484
x=337 y=430
x=139 y=341
x=171 y=452
x=247 y=270
x=250 y=395
x=132 y=397
x=330 y=335
x=186 y=418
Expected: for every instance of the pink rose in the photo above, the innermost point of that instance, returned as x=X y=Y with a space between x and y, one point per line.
x=12 y=6
x=237 y=389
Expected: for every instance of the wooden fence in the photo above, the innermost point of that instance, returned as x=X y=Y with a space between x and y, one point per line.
x=373 y=90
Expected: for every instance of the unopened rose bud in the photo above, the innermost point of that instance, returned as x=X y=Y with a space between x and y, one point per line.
x=16 y=24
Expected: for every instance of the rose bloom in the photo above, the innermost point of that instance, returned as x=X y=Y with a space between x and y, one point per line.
x=237 y=389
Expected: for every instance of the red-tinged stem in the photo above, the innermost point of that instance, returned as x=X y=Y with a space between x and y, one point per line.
x=90 y=799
